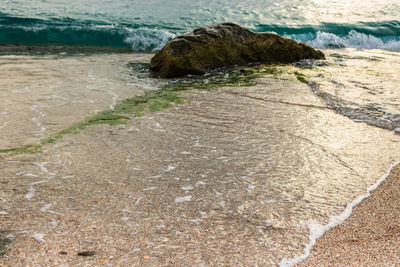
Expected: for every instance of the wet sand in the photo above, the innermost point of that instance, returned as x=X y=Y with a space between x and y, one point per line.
x=370 y=237
x=226 y=179
x=191 y=185
x=41 y=95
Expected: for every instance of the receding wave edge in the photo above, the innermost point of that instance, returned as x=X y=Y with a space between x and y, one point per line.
x=317 y=230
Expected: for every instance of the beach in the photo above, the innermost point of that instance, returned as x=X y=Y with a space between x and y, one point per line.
x=162 y=133
x=229 y=176
x=370 y=237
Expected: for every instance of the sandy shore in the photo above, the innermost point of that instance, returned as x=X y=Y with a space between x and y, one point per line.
x=370 y=237
x=221 y=180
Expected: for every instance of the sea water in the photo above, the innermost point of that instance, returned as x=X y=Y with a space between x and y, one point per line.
x=147 y=25
x=310 y=183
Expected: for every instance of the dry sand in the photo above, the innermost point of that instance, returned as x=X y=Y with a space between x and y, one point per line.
x=370 y=237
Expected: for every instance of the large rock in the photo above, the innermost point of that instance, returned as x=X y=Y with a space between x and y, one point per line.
x=225 y=45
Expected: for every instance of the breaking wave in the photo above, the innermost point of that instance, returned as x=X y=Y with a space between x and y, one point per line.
x=143 y=37
x=82 y=33
x=148 y=39
x=353 y=39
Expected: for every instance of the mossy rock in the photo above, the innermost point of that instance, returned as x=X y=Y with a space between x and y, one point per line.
x=225 y=45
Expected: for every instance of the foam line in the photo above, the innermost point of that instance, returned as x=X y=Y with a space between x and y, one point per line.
x=317 y=229
x=39 y=237
x=353 y=39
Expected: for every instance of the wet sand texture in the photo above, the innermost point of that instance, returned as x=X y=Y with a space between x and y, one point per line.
x=225 y=179
x=370 y=237
x=41 y=95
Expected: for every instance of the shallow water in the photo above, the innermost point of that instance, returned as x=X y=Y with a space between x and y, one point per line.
x=361 y=84
x=233 y=176
x=45 y=93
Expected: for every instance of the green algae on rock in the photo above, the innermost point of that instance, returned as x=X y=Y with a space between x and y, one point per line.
x=225 y=45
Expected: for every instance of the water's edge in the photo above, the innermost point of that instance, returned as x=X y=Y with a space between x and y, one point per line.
x=317 y=230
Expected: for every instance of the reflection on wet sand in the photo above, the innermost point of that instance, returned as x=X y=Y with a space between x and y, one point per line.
x=231 y=177
x=43 y=94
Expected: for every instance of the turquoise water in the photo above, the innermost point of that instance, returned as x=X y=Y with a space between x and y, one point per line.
x=148 y=25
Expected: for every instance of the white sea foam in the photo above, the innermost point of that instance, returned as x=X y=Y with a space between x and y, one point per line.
x=42 y=166
x=30 y=193
x=31 y=175
x=144 y=39
x=251 y=187
x=36 y=120
x=354 y=39
x=32 y=190
x=183 y=199
x=200 y=183
x=150 y=188
x=138 y=200
x=187 y=188
x=317 y=229
x=170 y=168
x=47 y=207
x=196 y=221
x=38 y=182
x=39 y=237
x=114 y=99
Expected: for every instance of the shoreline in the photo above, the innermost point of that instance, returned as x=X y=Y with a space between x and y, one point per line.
x=55 y=48
x=369 y=236
x=58 y=187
